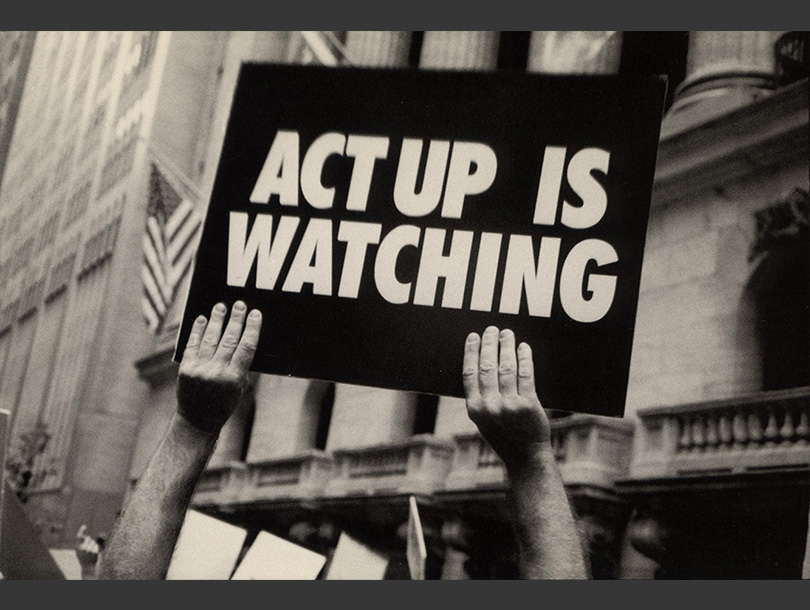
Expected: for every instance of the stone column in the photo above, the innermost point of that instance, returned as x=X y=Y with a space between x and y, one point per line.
x=378 y=48
x=724 y=62
x=285 y=417
x=459 y=50
x=364 y=417
x=452 y=418
x=575 y=52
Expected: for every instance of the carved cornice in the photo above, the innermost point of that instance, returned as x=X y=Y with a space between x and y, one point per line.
x=697 y=152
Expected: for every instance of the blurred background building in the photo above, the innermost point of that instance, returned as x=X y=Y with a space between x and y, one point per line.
x=707 y=475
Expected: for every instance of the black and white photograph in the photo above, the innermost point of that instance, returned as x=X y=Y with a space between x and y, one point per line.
x=404 y=305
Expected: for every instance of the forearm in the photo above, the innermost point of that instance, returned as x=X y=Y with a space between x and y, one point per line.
x=143 y=541
x=546 y=533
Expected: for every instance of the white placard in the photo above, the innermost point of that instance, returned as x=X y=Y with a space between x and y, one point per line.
x=68 y=562
x=207 y=549
x=273 y=558
x=353 y=560
x=416 y=549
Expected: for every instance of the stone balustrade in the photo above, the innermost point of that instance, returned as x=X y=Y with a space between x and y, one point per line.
x=759 y=432
x=418 y=465
x=220 y=485
x=590 y=450
x=475 y=465
x=297 y=477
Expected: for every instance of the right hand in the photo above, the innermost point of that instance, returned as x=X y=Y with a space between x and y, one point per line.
x=501 y=397
x=213 y=372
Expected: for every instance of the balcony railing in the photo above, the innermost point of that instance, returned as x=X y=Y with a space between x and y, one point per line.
x=590 y=450
x=220 y=485
x=759 y=432
x=418 y=465
x=298 y=477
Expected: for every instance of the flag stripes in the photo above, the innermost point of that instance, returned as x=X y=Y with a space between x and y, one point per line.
x=172 y=224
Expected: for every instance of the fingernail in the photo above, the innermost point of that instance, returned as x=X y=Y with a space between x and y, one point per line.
x=239 y=306
x=255 y=314
x=506 y=332
x=472 y=338
x=200 y=320
x=219 y=308
x=491 y=330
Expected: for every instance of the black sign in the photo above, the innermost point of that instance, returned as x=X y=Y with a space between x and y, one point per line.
x=376 y=217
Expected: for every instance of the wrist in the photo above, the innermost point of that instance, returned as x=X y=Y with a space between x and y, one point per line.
x=194 y=429
x=538 y=460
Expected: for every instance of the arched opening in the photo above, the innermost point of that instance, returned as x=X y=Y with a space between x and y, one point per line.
x=781 y=291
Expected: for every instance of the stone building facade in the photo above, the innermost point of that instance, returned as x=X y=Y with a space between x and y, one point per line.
x=706 y=476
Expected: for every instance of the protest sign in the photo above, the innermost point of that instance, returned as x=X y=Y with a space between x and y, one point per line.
x=23 y=556
x=273 y=558
x=416 y=550
x=68 y=563
x=353 y=560
x=378 y=216
x=206 y=549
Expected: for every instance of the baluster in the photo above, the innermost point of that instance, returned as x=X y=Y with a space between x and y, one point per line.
x=754 y=427
x=771 y=430
x=711 y=431
x=740 y=430
x=788 y=430
x=803 y=429
x=724 y=430
x=684 y=440
x=698 y=432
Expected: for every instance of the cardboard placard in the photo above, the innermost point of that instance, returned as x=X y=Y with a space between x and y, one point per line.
x=416 y=550
x=378 y=216
x=353 y=560
x=68 y=563
x=206 y=549
x=273 y=558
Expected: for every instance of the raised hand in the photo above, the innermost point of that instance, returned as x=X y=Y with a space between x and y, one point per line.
x=501 y=397
x=213 y=372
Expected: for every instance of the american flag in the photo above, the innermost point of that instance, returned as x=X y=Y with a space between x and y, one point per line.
x=172 y=223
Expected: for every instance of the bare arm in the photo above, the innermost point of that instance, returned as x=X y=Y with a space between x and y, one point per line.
x=211 y=380
x=503 y=403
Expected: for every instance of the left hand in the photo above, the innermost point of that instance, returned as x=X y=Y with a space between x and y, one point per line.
x=501 y=397
x=213 y=372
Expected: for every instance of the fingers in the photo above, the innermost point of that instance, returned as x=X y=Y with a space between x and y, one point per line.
x=195 y=337
x=246 y=349
x=507 y=367
x=232 y=334
x=492 y=365
x=469 y=369
x=210 y=339
x=488 y=362
x=525 y=371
